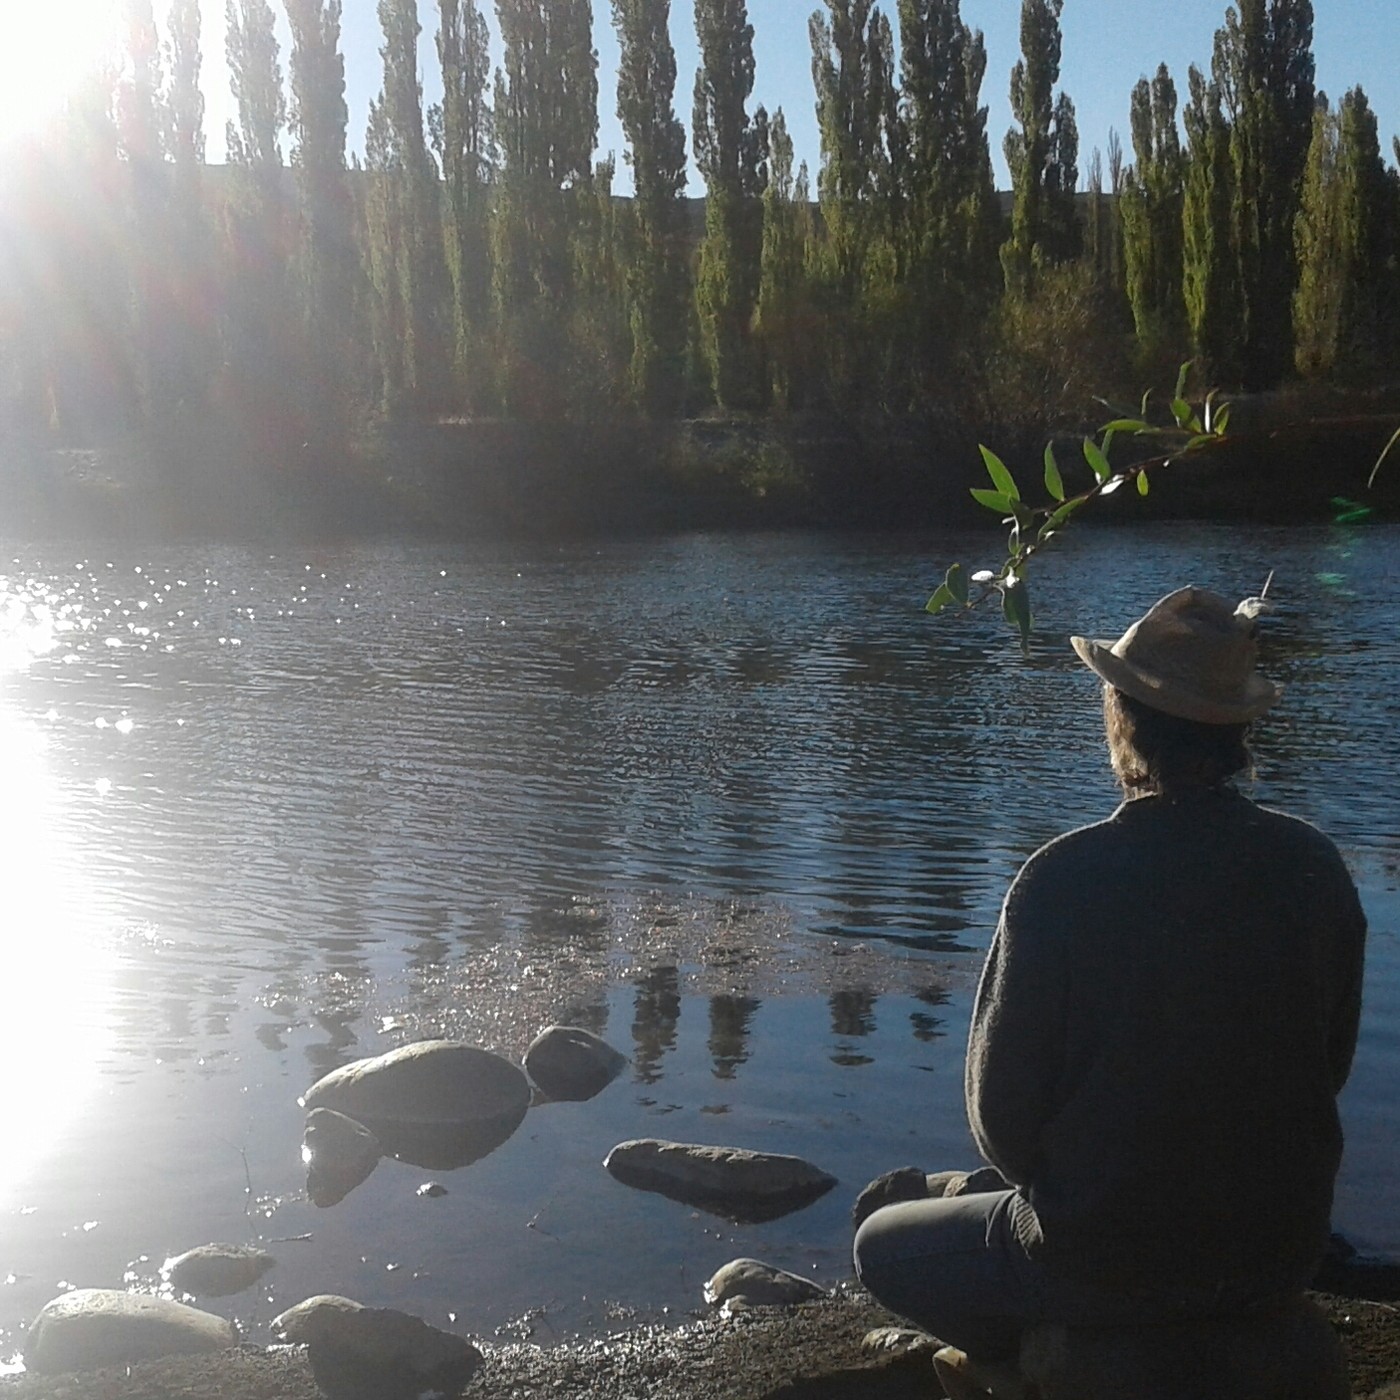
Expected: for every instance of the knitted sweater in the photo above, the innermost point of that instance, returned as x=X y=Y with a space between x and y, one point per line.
x=1167 y=1013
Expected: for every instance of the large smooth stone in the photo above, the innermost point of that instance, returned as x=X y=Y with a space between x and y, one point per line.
x=216 y=1270
x=437 y=1082
x=570 y=1063
x=92 y=1327
x=339 y=1154
x=733 y=1182
x=750 y=1283
x=360 y=1353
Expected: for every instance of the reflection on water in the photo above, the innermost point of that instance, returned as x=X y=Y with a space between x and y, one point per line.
x=734 y=804
x=54 y=970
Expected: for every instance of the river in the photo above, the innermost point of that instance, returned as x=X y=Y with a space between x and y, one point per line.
x=734 y=801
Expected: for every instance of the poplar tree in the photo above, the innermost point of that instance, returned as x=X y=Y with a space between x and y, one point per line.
x=462 y=136
x=951 y=221
x=326 y=258
x=731 y=155
x=415 y=378
x=546 y=121
x=1210 y=272
x=1152 y=214
x=657 y=290
x=1042 y=151
x=258 y=353
x=783 y=319
x=1344 y=303
x=853 y=73
x=1263 y=64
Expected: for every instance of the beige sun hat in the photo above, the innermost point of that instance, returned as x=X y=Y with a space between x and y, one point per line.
x=1191 y=655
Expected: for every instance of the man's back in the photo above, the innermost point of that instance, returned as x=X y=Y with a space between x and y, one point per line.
x=1167 y=1013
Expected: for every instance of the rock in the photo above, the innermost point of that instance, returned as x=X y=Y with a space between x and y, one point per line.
x=339 y=1154
x=901 y=1184
x=568 y=1062
x=899 y=1341
x=437 y=1082
x=729 y=1181
x=360 y=1353
x=92 y=1327
x=216 y=1270
x=431 y=1188
x=749 y=1283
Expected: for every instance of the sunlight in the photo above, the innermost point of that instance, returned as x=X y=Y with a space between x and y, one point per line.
x=45 y=52
x=53 y=969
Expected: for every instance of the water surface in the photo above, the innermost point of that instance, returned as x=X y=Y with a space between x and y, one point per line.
x=732 y=801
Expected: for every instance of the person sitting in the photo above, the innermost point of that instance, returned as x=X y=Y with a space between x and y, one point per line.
x=1167 y=1013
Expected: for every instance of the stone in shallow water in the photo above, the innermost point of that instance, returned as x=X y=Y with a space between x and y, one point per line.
x=92 y=1327
x=435 y=1082
x=733 y=1182
x=216 y=1270
x=360 y=1353
x=339 y=1154
x=750 y=1283
x=570 y=1063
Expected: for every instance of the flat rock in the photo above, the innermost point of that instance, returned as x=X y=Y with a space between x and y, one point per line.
x=439 y=1083
x=216 y=1270
x=899 y=1341
x=730 y=1181
x=361 y=1353
x=93 y=1327
x=570 y=1063
x=339 y=1154
x=750 y=1283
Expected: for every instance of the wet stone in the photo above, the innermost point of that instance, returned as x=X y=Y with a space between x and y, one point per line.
x=362 y=1353
x=94 y=1327
x=339 y=1154
x=750 y=1283
x=732 y=1182
x=216 y=1270
x=570 y=1063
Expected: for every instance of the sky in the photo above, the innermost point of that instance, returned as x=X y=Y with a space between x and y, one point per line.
x=1107 y=46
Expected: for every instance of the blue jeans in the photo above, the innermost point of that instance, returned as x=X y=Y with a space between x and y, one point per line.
x=956 y=1266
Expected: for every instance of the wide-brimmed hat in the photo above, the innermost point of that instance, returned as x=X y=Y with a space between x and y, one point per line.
x=1191 y=655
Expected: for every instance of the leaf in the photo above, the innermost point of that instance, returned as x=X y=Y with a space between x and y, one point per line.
x=1023 y=515
x=1001 y=478
x=1016 y=607
x=1128 y=425
x=1200 y=440
x=1208 y=412
x=1181 y=411
x=1106 y=446
x=1109 y=487
x=993 y=500
x=1146 y=399
x=1064 y=513
x=942 y=598
x=955 y=582
x=1144 y=486
x=1054 y=484
x=1096 y=460
x=1221 y=423
x=1181 y=378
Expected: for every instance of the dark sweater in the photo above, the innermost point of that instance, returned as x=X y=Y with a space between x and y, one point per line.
x=1167 y=1013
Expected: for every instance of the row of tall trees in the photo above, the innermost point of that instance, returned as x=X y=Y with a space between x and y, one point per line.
x=475 y=260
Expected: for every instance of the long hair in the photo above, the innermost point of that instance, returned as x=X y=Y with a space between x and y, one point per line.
x=1155 y=753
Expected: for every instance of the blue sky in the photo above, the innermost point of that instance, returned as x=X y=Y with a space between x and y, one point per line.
x=1108 y=45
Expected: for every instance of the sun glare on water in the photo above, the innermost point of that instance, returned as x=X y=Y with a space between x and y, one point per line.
x=53 y=968
x=47 y=49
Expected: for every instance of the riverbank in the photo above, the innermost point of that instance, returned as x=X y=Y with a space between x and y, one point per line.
x=813 y=1352
x=463 y=480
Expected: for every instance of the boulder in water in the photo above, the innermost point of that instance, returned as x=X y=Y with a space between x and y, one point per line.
x=339 y=1154
x=568 y=1062
x=729 y=1181
x=216 y=1270
x=749 y=1283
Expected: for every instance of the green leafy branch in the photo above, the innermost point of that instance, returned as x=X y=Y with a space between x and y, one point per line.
x=1031 y=527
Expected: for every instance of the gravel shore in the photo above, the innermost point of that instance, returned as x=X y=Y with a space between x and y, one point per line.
x=812 y=1352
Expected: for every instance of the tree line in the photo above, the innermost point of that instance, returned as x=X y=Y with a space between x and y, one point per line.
x=476 y=261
